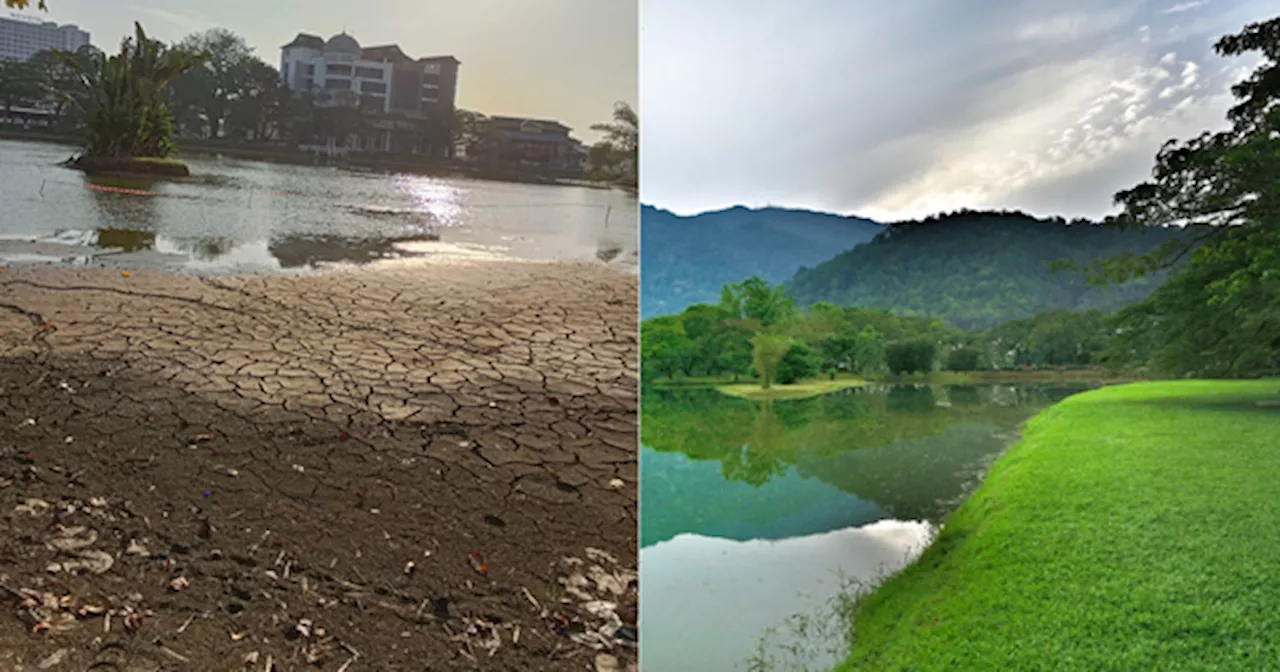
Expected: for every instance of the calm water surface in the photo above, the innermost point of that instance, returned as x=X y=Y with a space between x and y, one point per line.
x=247 y=216
x=754 y=513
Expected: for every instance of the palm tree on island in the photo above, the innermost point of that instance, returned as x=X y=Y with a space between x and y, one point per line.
x=129 y=127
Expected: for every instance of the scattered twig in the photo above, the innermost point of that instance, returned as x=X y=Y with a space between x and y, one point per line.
x=172 y=654
x=185 y=624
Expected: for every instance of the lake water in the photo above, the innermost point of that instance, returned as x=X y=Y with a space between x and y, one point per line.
x=754 y=516
x=249 y=216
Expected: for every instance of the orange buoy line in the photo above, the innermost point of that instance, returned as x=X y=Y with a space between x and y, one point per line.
x=131 y=192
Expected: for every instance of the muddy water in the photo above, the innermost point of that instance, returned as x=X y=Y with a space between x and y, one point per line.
x=756 y=516
x=245 y=216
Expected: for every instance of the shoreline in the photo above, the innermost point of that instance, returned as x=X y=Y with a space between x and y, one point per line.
x=355 y=162
x=1163 y=534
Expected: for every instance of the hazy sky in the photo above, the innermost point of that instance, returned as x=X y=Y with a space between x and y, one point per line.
x=892 y=110
x=561 y=59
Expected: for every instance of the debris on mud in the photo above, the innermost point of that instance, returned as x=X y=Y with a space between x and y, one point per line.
x=606 y=599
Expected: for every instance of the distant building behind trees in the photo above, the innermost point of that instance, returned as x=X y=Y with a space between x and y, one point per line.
x=22 y=37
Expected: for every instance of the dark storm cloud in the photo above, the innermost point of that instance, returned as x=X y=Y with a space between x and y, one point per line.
x=901 y=109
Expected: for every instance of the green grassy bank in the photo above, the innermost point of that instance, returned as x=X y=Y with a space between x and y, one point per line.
x=1133 y=528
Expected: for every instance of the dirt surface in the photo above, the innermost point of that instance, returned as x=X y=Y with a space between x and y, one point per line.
x=407 y=468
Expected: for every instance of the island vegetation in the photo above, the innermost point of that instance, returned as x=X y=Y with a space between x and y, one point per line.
x=129 y=126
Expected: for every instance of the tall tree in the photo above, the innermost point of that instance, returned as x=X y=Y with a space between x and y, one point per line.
x=768 y=351
x=754 y=299
x=210 y=91
x=618 y=155
x=261 y=102
x=23 y=4
x=1221 y=314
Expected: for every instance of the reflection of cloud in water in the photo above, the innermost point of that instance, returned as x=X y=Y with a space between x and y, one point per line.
x=706 y=601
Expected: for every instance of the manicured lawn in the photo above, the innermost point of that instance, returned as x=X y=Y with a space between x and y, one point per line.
x=1133 y=528
x=800 y=390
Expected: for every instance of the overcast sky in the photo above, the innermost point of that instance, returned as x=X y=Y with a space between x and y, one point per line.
x=895 y=110
x=561 y=59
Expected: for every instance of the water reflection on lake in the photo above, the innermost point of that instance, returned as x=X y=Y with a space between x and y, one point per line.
x=254 y=216
x=752 y=512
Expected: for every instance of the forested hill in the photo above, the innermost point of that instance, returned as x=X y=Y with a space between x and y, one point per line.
x=975 y=269
x=686 y=260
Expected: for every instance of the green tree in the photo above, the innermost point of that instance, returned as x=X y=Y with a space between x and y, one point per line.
x=963 y=358
x=210 y=92
x=869 y=351
x=767 y=353
x=799 y=362
x=619 y=153
x=19 y=83
x=23 y=4
x=1220 y=315
x=754 y=299
x=914 y=356
x=260 y=107
x=664 y=346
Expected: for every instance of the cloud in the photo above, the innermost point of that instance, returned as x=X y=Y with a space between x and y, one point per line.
x=1185 y=7
x=186 y=22
x=856 y=107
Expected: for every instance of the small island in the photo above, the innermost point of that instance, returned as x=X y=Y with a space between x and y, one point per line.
x=129 y=129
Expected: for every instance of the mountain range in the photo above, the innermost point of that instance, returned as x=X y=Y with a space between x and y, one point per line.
x=686 y=260
x=970 y=268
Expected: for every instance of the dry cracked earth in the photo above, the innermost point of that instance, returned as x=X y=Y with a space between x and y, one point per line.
x=404 y=468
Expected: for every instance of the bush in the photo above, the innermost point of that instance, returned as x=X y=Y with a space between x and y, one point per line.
x=963 y=359
x=799 y=362
x=905 y=357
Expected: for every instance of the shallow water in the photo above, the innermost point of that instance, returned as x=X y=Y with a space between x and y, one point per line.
x=752 y=514
x=252 y=216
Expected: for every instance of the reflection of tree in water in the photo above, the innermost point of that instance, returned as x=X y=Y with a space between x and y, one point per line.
x=764 y=456
x=911 y=399
x=964 y=395
x=309 y=250
x=756 y=443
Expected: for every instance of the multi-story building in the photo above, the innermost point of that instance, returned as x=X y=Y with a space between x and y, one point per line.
x=539 y=142
x=22 y=37
x=340 y=71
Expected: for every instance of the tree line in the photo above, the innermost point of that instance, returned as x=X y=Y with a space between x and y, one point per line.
x=230 y=93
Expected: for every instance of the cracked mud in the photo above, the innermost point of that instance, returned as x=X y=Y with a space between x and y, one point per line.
x=384 y=469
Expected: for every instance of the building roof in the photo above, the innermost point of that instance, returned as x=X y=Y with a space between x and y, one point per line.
x=385 y=52
x=343 y=43
x=538 y=137
x=438 y=59
x=523 y=120
x=306 y=40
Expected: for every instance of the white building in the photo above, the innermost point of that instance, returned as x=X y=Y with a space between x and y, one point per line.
x=339 y=71
x=22 y=37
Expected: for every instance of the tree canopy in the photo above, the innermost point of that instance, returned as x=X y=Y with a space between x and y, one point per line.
x=1219 y=315
x=975 y=269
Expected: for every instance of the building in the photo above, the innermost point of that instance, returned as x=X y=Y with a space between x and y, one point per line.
x=539 y=142
x=341 y=72
x=22 y=37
